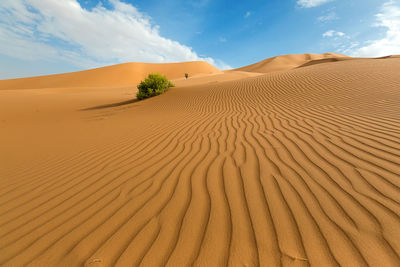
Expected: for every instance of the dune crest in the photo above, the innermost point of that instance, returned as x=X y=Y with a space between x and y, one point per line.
x=287 y=62
x=126 y=74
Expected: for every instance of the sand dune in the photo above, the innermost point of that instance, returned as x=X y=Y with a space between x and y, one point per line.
x=126 y=74
x=288 y=62
x=224 y=76
x=290 y=168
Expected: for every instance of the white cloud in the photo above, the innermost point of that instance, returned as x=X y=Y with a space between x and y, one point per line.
x=312 y=3
x=222 y=39
x=63 y=30
x=389 y=18
x=328 y=17
x=332 y=33
x=248 y=14
x=222 y=65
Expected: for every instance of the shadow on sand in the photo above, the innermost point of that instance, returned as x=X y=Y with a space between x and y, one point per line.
x=112 y=105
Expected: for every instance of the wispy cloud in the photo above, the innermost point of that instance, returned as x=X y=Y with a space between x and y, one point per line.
x=333 y=33
x=247 y=14
x=222 y=39
x=388 y=18
x=312 y=3
x=328 y=17
x=63 y=30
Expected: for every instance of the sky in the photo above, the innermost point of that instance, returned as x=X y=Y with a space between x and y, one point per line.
x=39 y=37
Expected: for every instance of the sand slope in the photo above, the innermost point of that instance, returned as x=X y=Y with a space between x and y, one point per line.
x=291 y=168
x=203 y=79
x=288 y=62
x=126 y=74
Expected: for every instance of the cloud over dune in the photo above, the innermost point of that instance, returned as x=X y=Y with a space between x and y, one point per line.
x=64 y=30
x=388 y=18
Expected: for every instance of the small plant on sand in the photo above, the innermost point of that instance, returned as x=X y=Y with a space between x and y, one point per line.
x=153 y=85
x=186 y=75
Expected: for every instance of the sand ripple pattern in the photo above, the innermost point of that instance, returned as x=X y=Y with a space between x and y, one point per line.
x=293 y=168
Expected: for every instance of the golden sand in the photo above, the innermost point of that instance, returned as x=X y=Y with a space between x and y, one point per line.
x=273 y=164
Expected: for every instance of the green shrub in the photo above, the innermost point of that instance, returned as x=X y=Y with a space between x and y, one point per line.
x=153 y=85
x=186 y=75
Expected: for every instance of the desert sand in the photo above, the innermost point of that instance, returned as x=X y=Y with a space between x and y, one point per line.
x=288 y=62
x=292 y=161
x=126 y=74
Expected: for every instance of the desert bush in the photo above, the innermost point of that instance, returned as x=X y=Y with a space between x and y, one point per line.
x=153 y=85
x=186 y=75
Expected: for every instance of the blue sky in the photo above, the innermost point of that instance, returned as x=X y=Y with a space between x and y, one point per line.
x=47 y=36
